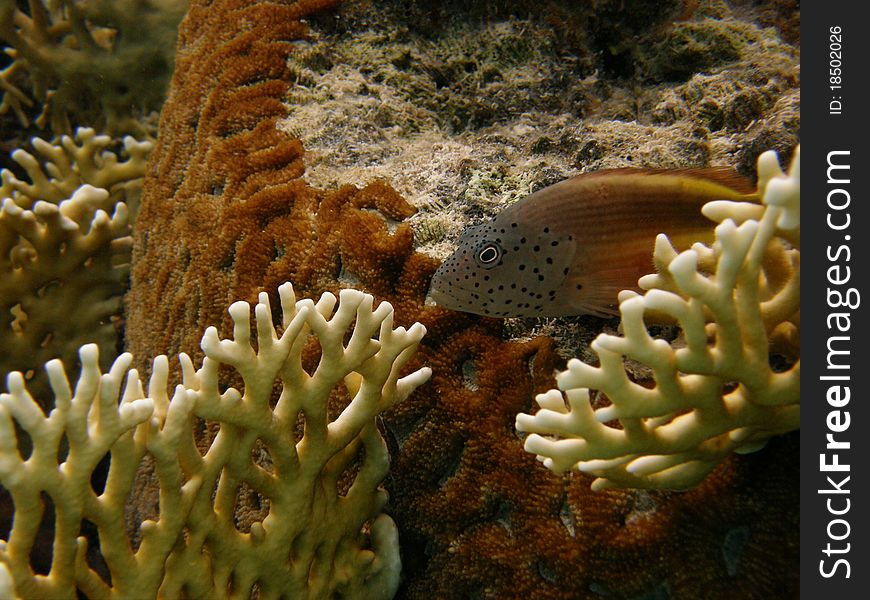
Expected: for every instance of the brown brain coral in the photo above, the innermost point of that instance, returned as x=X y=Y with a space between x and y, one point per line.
x=478 y=520
x=226 y=213
x=221 y=173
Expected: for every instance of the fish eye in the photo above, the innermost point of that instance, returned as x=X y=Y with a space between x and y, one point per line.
x=488 y=254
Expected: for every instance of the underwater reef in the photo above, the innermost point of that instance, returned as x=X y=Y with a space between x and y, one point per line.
x=339 y=145
x=467 y=500
x=462 y=114
x=99 y=63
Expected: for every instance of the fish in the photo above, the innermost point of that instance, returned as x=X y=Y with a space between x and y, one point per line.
x=570 y=248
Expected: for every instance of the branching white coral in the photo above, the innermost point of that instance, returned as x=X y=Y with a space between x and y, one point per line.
x=65 y=248
x=97 y=61
x=716 y=394
x=57 y=169
x=63 y=271
x=7 y=586
x=312 y=543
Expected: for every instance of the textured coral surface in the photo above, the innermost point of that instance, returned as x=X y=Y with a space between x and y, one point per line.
x=226 y=211
x=318 y=536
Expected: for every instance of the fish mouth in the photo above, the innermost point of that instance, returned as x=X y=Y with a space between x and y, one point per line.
x=438 y=298
x=439 y=295
x=445 y=300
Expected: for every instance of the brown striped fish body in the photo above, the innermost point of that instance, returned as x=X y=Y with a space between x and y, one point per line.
x=570 y=248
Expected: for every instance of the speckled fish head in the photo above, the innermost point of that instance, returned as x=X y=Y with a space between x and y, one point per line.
x=503 y=269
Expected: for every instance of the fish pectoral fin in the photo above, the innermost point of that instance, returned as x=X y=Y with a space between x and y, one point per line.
x=597 y=310
x=599 y=295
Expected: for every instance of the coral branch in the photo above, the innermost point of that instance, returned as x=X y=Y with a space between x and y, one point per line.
x=718 y=393
x=65 y=249
x=311 y=543
x=98 y=61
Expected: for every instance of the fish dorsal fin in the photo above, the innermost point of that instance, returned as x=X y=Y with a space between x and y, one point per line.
x=724 y=176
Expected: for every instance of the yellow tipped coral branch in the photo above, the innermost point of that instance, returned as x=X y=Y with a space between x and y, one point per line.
x=65 y=249
x=312 y=542
x=63 y=270
x=716 y=392
x=58 y=168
